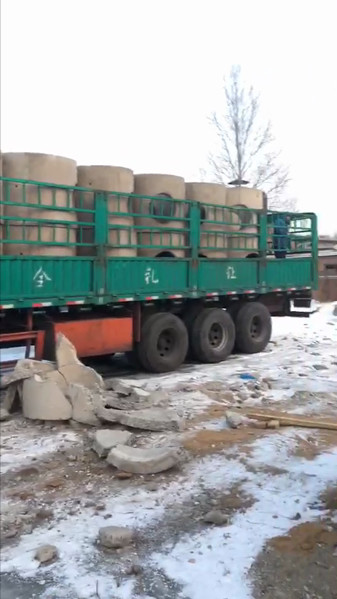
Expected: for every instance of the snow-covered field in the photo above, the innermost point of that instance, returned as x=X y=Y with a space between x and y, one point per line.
x=272 y=475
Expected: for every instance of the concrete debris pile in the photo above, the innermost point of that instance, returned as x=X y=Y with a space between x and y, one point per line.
x=44 y=390
x=69 y=390
x=239 y=393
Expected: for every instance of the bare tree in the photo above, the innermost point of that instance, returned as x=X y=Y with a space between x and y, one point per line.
x=247 y=145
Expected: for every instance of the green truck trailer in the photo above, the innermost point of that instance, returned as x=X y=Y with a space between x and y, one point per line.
x=159 y=308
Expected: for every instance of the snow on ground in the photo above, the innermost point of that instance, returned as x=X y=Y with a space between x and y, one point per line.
x=217 y=561
x=220 y=555
x=298 y=344
x=203 y=560
x=17 y=451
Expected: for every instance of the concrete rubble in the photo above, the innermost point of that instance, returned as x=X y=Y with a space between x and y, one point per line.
x=4 y=414
x=106 y=439
x=115 y=537
x=65 y=352
x=137 y=399
x=153 y=419
x=129 y=397
x=67 y=390
x=215 y=517
x=144 y=461
x=108 y=414
x=46 y=553
x=159 y=398
x=12 y=392
x=26 y=368
x=44 y=400
x=56 y=377
x=235 y=420
x=84 y=402
x=82 y=375
x=49 y=391
x=122 y=387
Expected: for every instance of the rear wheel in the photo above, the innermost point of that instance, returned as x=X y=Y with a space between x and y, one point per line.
x=253 y=328
x=164 y=342
x=212 y=335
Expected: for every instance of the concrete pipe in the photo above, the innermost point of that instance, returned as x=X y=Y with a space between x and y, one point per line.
x=245 y=197
x=212 y=198
x=157 y=213
x=48 y=169
x=107 y=178
x=244 y=246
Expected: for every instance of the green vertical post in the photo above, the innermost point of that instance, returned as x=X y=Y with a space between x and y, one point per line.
x=263 y=247
x=194 y=227
x=101 y=238
x=314 y=256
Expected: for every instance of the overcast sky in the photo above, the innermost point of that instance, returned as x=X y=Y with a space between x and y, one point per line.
x=132 y=82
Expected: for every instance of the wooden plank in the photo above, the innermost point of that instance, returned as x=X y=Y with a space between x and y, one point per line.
x=292 y=420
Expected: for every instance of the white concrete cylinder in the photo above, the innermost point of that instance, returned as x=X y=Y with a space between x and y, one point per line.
x=245 y=197
x=48 y=169
x=249 y=243
x=106 y=178
x=212 y=199
x=167 y=188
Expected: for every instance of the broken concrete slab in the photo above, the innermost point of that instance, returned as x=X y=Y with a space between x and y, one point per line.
x=236 y=420
x=140 y=394
x=12 y=391
x=106 y=439
x=82 y=375
x=122 y=387
x=26 y=368
x=153 y=419
x=57 y=378
x=115 y=537
x=137 y=400
x=85 y=403
x=108 y=414
x=65 y=352
x=4 y=414
x=159 y=398
x=144 y=461
x=44 y=400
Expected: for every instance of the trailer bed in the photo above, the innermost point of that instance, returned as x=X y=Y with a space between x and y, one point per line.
x=32 y=281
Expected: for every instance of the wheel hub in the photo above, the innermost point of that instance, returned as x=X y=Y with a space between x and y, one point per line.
x=165 y=343
x=255 y=327
x=216 y=335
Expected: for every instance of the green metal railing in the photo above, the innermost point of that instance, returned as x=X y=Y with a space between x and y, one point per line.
x=34 y=213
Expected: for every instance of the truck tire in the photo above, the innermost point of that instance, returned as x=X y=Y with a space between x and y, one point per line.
x=253 y=328
x=163 y=344
x=212 y=335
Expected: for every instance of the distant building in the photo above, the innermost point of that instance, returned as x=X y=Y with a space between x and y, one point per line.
x=327 y=243
x=327 y=270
